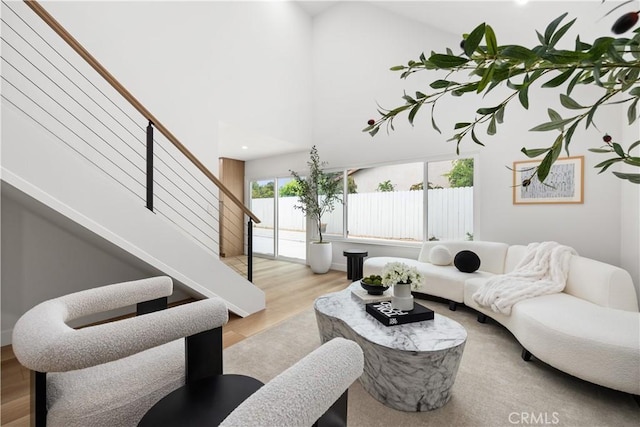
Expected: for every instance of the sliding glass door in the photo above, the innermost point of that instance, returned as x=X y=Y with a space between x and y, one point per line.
x=282 y=230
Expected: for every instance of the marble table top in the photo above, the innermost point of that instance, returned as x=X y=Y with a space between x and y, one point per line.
x=429 y=335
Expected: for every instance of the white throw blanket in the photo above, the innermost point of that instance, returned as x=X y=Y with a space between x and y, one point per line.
x=542 y=271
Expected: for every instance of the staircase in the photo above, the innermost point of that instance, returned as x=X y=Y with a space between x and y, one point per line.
x=78 y=152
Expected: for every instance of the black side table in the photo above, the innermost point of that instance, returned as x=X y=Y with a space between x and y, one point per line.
x=355 y=260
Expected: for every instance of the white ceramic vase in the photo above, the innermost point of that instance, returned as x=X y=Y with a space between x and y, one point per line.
x=320 y=257
x=402 y=298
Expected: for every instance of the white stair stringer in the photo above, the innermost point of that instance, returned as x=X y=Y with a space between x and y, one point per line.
x=48 y=171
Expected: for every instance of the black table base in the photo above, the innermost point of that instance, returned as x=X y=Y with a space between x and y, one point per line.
x=206 y=402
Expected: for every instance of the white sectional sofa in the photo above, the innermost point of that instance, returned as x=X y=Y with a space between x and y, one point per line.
x=591 y=330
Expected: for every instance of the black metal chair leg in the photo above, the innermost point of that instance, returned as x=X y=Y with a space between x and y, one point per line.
x=453 y=305
x=526 y=355
x=482 y=318
x=38 y=399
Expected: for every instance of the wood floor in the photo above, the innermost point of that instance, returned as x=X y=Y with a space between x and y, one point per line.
x=290 y=288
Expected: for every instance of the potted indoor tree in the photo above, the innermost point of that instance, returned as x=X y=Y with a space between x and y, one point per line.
x=317 y=194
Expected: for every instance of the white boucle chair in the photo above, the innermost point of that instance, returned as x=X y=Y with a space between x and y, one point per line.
x=110 y=374
x=114 y=373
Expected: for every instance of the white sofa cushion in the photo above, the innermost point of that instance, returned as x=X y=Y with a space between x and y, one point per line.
x=440 y=255
x=602 y=284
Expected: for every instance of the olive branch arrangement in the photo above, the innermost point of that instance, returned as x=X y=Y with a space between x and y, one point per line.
x=610 y=63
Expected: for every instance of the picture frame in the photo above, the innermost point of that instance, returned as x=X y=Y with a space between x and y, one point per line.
x=565 y=183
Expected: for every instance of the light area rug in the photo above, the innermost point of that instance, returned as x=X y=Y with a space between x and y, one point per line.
x=494 y=387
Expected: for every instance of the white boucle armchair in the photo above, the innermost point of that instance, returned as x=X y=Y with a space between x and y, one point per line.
x=110 y=374
x=117 y=374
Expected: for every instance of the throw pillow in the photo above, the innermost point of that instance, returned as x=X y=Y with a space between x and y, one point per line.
x=467 y=261
x=440 y=255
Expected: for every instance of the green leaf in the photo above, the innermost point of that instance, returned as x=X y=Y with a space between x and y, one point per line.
x=551 y=125
x=635 y=91
x=517 y=52
x=599 y=150
x=413 y=112
x=561 y=32
x=618 y=149
x=600 y=46
x=440 y=84
x=558 y=80
x=631 y=112
x=573 y=82
x=488 y=110
x=634 y=145
x=548 y=33
x=433 y=121
x=607 y=163
x=486 y=78
x=632 y=177
x=568 y=135
x=633 y=161
x=534 y=152
x=523 y=96
x=545 y=167
x=420 y=95
x=490 y=37
x=553 y=115
x=461 y=125
x=593 y=109
x=540 y=38
x=491 y=129
x=374 y=131
x=474 y=39
x=398 y=68
x=580 y=46
x=500 y=114
x=475 y=138
x=447 y=61
x=568 y=102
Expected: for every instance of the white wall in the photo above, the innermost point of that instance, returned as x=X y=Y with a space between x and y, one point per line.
x=630 y=212
x=195 y=64
x=355 y=44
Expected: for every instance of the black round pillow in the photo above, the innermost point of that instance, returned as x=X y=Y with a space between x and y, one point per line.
x=466 y=261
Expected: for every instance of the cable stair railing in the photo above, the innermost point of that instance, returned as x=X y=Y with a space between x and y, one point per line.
x=146 y=159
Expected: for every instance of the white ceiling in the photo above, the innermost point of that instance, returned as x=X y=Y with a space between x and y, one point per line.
x=512 y=20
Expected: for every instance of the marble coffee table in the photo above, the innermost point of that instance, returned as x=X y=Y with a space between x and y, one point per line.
x=410 y=367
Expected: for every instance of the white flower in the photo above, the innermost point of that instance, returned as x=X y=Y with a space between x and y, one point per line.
x=398 y=272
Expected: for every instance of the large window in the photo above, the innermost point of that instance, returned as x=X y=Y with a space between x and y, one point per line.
x=389 y=202
x=450 y=200
x=409 y=202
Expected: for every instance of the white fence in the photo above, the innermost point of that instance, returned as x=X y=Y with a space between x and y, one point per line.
x=396 y=215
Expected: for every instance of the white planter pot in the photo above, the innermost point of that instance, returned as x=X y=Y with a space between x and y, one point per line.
x=320 y=255
x=402 y=298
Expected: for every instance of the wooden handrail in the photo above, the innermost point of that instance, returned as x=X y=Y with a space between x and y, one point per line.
x=75 y=45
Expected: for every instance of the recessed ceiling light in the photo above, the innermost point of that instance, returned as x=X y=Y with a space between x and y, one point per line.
x=244 y=147
x=521 y=2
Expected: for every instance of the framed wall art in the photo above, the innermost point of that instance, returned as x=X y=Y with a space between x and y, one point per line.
x=563 y=185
